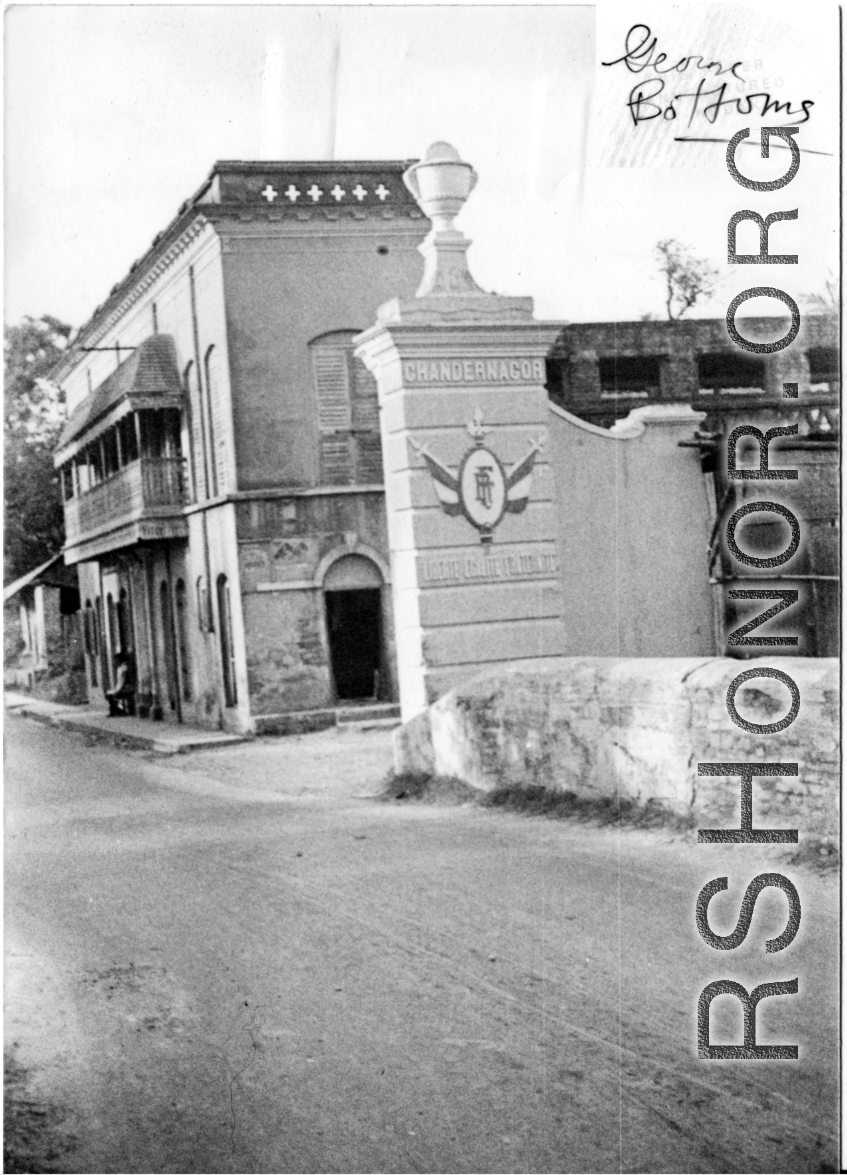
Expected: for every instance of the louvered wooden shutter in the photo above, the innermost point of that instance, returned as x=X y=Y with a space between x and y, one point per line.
x=332 y=384
x=366 y=426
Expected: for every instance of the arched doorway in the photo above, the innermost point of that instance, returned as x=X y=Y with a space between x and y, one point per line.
x=171 y=681
x=101 y=644
x=92 y=648
x=227 y=643
x=353 y=600
x=183 y=640
x=112 y=618
x=125 y=622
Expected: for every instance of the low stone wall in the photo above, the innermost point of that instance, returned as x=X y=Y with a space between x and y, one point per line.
x=601 y=726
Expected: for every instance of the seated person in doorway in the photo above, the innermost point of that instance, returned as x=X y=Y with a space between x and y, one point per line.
x=121 y=697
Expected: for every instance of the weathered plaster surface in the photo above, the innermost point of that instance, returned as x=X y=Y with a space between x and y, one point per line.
x=289 y=543
x=601 y=726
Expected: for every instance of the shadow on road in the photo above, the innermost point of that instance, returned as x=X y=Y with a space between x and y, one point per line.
x=34 y=1138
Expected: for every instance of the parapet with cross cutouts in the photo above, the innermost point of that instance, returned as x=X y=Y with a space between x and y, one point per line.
x=335 y=188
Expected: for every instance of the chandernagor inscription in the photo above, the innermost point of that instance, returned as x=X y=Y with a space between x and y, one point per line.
x=469 y=371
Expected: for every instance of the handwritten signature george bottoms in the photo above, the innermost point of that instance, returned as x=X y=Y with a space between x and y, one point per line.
x=641 y=56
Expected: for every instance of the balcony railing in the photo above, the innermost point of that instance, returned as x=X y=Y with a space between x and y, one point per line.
x=148 y=487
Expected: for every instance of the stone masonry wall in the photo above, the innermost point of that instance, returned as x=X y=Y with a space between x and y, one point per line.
x=602 y=726
x=282 y=544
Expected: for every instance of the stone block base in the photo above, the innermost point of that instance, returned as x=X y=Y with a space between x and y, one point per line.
x=637 y=728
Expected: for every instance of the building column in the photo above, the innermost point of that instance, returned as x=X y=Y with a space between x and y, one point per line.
x=679 y=377
x=469 y=494
x=585 y=376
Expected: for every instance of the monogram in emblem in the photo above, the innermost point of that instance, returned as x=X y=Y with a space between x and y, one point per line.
x=481 y=489
x=484 y=485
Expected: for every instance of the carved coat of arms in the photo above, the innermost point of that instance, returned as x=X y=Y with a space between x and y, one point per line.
x=481 y=489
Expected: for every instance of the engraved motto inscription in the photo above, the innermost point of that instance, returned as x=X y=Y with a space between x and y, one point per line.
x=475 y=567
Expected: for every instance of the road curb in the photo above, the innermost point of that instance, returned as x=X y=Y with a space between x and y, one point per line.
x=140 y=742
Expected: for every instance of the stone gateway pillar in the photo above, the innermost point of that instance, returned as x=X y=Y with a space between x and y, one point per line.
x=469 y=495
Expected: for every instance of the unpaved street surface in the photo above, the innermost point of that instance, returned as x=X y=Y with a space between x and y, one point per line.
x=236 y=961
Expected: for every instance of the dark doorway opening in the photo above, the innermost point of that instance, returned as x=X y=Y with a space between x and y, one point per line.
x=354 y=625
x=170 y=649
x=227 y=643
x=103 y=646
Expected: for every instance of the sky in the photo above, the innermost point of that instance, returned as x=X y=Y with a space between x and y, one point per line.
x=115 y=114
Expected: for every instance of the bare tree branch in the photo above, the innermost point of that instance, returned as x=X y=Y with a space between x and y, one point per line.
x=826 y=301
x=688 y=279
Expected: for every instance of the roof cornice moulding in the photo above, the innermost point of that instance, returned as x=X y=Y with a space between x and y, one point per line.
x=93 y=334
x=246 y=212
x=153 y=273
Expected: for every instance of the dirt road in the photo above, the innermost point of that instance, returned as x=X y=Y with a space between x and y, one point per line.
x=232 y=962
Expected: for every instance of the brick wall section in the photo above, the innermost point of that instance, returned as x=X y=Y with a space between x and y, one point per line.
x=638 y=727
x=688 y=337
x=573 y=365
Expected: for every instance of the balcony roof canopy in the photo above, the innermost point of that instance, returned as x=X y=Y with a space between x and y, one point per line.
x=53 y=573
x=148 y=379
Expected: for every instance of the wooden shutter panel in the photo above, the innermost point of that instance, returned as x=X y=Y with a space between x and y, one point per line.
x=336 y=466
x=332 y=384
x=369 y=462
x=332 y=380
x=366 y=425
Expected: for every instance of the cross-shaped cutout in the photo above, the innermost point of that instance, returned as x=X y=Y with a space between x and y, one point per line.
x=382 y=192
x=315 y=192
x=359 y=192
x=337 y=192
x=292 y=193
x=270 y=194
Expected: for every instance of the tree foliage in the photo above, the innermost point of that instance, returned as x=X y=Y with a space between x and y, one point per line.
x=688 y=279
x=30 y=350
x=33 y=414
x=827 y=300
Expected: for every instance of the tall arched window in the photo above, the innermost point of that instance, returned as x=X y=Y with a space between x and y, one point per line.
x=86 y=628
x=100 y=641
x=124 y=622
x=350 y=449
x=170 y=651
x=213 y=414
x=112 y=621
x=182 y=638
x=195 y=441
x=227 y=647
x=90 y=631
x=204 y=607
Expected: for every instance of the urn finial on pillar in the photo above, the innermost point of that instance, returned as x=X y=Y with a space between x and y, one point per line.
x=441 y=183
x=472 y=526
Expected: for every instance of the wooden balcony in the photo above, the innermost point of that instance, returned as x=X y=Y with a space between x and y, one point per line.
x=141 y=502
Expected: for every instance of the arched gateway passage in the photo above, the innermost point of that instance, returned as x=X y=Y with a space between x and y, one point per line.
x=353 y=599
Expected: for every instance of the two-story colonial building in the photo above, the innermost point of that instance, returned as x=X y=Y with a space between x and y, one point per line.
x=221 y=462
x=223 y=475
